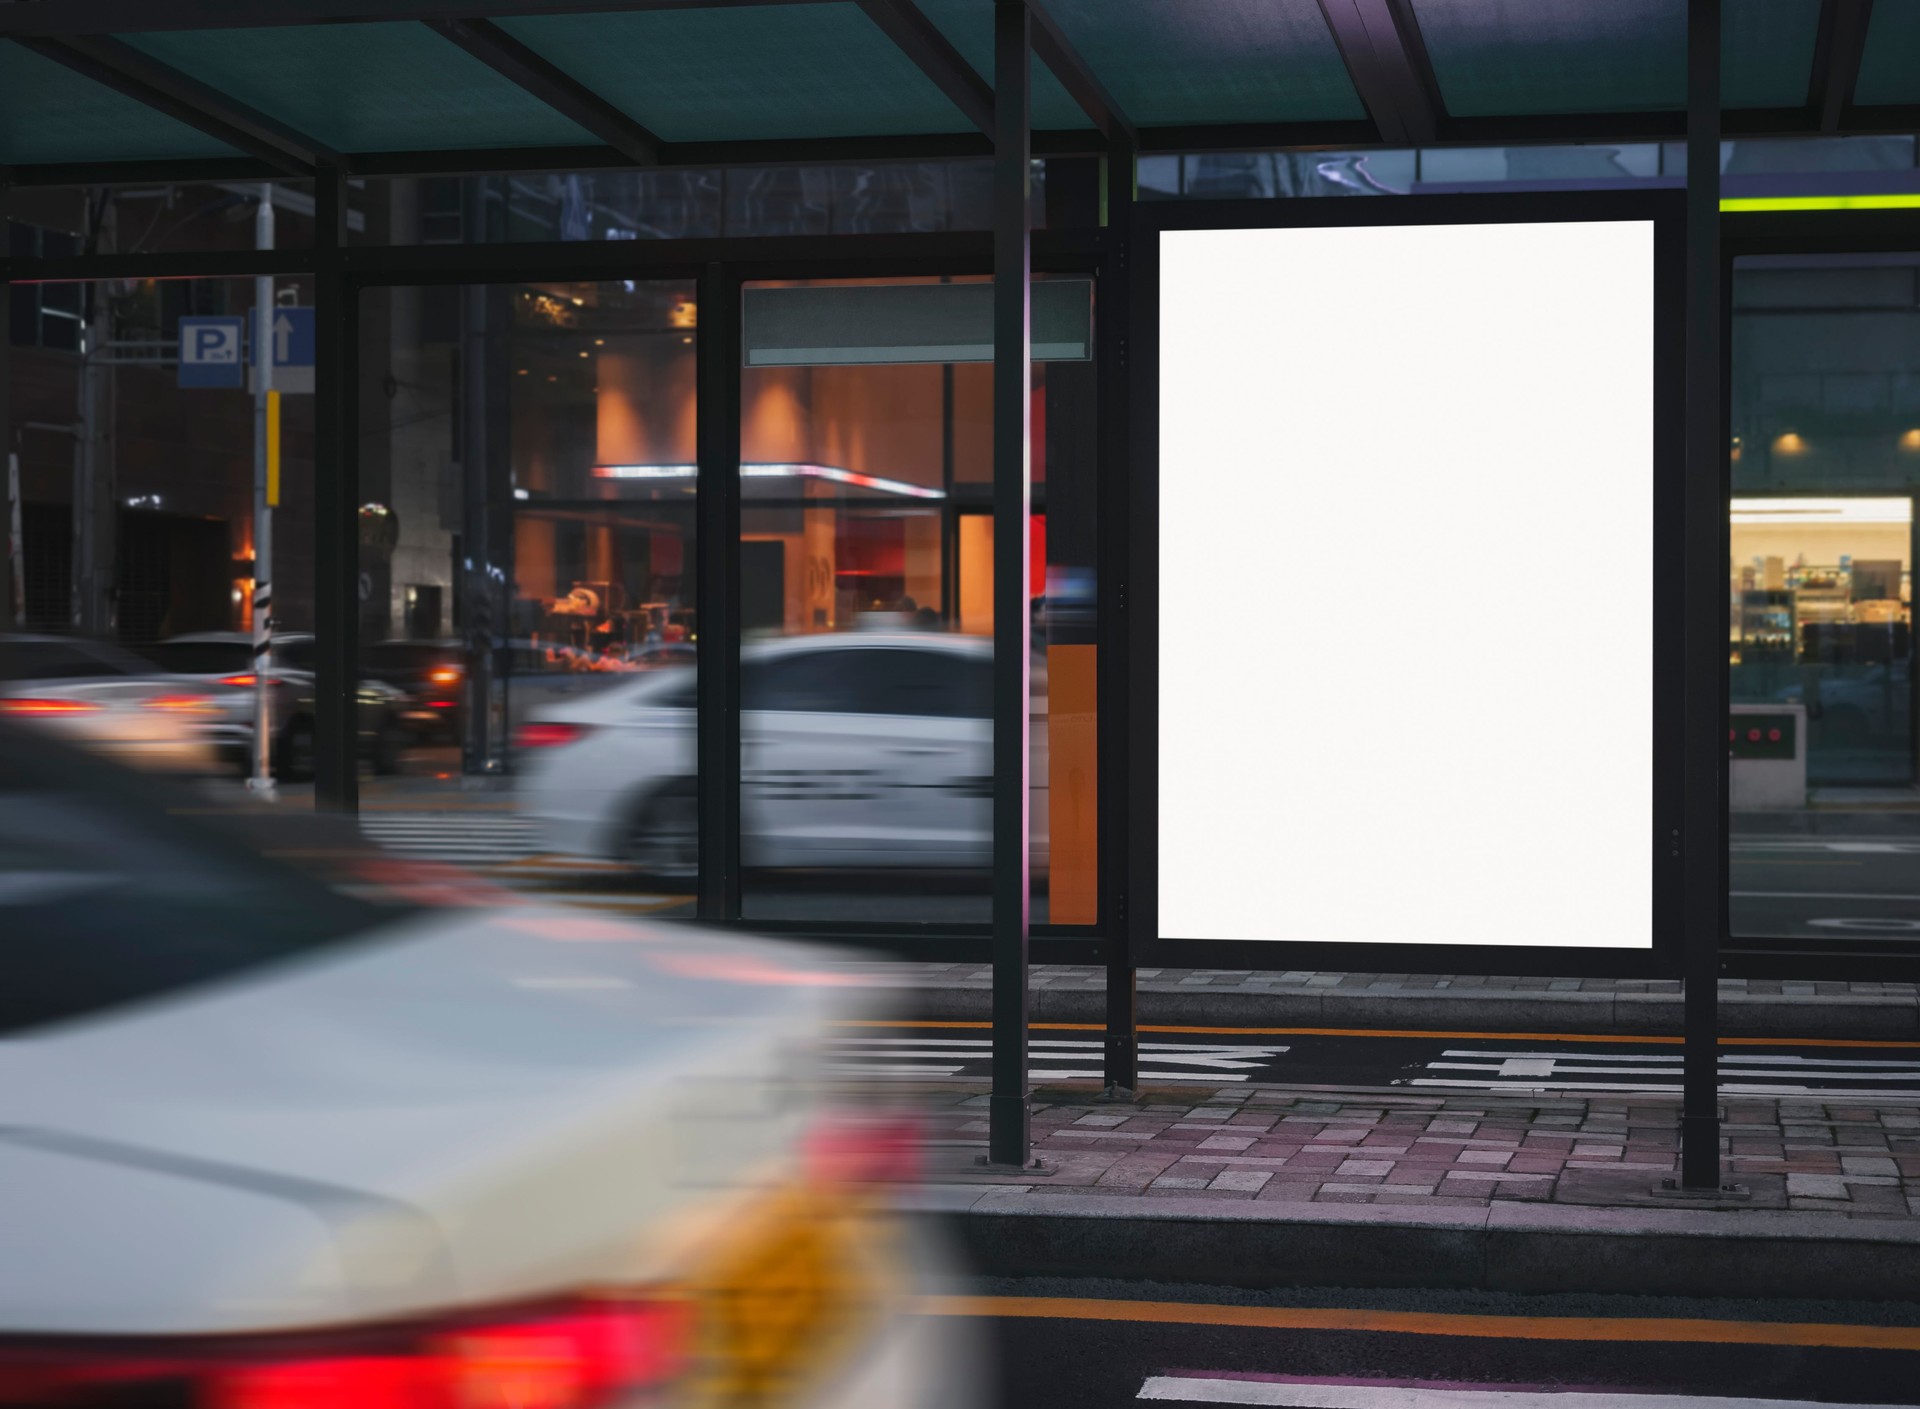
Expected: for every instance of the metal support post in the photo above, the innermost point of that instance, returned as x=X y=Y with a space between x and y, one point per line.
x=1704 y=842
x=16 y=588
x=265 y=495
x=1009 y=1138
x=336 y=538
x=1122 y=1055
x=717 y=558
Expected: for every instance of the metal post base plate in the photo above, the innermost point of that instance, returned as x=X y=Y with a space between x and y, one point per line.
x=1719 y=1194
x=1037 y=1168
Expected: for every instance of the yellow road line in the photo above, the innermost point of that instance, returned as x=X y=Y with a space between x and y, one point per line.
x=1643 y=1040
x=1430 y=1323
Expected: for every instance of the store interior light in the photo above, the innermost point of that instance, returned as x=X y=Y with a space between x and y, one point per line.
x=777 y=469
x=1756 y=512
x=1789 y=443
x=1911 y=440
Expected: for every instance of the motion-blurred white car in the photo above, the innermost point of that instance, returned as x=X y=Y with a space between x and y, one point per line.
x=857 y=750
x=107 y=699
x=271 y=1144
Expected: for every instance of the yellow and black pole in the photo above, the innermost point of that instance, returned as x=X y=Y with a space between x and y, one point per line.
x=266 y=494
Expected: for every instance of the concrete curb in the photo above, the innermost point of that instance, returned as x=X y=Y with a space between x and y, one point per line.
x=1011 y=1230
x=1451 y=1010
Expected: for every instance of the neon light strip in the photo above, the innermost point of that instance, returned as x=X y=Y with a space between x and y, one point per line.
x=776 y=470
x=1735 y=204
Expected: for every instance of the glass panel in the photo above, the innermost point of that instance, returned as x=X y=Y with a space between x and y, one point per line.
x=723 y=74
x=365 y=87
x=867 y=604
x=861 y=324
x=1888 y=72
x=159 y=217
x=527 y=576
x=1556 y=56
x=135 y=490
x=1203 y=61
x=1826 y=461
x=682 y=203
x=49 y=113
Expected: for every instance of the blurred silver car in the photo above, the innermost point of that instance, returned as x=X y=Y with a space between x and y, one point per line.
x=108 y=699
x=270 y=1138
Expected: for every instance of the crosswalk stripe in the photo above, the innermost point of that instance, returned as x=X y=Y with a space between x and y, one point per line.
x=1206 y=1389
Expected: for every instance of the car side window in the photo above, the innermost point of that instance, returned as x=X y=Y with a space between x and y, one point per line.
x=935 y=683
x=817 y=682
x=872 y=680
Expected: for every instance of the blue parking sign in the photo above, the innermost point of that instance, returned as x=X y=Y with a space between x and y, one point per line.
x=210 y=352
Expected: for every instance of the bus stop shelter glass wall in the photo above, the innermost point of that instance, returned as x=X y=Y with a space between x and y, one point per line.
x=527 y=457
x=133 y=478
x=866 y=594
x=1825 y=451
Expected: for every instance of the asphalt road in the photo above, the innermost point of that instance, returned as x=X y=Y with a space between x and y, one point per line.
x=1431 y=1062
x=1101 y=1346
x=1850 y=887
x=1827 y=887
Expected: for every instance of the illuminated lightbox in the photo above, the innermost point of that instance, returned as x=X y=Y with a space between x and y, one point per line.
x=1406 y=584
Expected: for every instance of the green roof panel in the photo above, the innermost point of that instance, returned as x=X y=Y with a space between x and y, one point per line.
x=968 y=25
x=1890 y=68
x=1197 y=62
x=739 y=73
x=49 y=113
x=365 y=87
x=1495 y=57
x=1766 y=52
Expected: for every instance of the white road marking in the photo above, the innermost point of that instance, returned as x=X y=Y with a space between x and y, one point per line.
x=1200 y=1389
x=1727 y=1088
x=1743 y=1060
x=1817 y=895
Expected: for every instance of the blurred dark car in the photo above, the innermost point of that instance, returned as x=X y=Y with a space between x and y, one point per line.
x=289 y=1124
x=432 y=675
x=221 y=663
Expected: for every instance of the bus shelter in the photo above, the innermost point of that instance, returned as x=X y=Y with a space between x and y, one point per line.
x=1106 y=370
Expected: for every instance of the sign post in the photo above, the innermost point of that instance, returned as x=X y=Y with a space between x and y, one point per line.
x=266 y=485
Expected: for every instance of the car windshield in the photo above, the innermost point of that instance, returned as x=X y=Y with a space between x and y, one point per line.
x=111 y=891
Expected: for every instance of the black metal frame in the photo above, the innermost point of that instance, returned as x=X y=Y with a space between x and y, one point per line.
x=1674 y=675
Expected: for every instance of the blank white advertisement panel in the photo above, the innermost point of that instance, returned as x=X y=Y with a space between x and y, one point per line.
x=1406 y=584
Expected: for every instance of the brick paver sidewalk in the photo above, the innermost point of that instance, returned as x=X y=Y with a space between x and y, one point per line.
x=1852 y=1157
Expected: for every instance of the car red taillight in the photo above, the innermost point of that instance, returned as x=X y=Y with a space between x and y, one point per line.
x=42 y=705
x=546 y=735
x=247 y=680
x=574 y=1356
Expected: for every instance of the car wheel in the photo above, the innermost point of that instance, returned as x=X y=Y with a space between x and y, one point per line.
x=296 y=752
x=662 y=839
